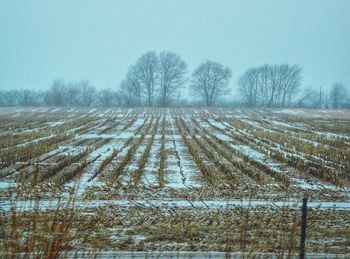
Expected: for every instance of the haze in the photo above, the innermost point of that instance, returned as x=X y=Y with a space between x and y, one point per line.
x=99 y=40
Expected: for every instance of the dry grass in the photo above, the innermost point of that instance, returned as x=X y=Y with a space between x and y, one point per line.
x=203 y=147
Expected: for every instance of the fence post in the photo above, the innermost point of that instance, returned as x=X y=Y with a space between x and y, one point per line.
x=303 y=228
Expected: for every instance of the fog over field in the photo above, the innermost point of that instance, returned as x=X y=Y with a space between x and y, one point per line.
x=190 y=129
x=76 y=41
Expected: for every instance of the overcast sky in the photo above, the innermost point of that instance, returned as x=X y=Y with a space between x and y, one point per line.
x=98 y=40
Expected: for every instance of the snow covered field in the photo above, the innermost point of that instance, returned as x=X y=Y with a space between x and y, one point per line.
x=177 y=161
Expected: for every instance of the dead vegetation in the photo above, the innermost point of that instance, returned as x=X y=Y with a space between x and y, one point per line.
x=200 y=155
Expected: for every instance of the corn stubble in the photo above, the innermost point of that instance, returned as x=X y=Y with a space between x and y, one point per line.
x=211 y=142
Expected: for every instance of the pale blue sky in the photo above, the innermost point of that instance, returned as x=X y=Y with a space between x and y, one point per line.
x=99 y=40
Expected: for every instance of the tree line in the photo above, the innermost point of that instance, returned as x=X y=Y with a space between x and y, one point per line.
x=270 y=85
x=157 y=80
x=61 y=93
x=337 y=97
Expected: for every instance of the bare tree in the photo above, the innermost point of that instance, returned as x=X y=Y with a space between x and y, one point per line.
x=87 y=93
x=172 y=70
x=56 y=96
x=9 y=98
x=310 y=98
x=146 y=73
x=338 y=95
x=106 y=97
x=249 y=83
x=210 y=80
x=73 y=94
x=127 y=94
x=290 y=78
x=270 y=85
x=135 y=87
x=321 y=99
x=25 y=97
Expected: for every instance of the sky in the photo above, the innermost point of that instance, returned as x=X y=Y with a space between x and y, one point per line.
x=98 y=40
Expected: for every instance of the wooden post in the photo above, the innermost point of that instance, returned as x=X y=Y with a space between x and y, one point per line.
x=303 y=228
